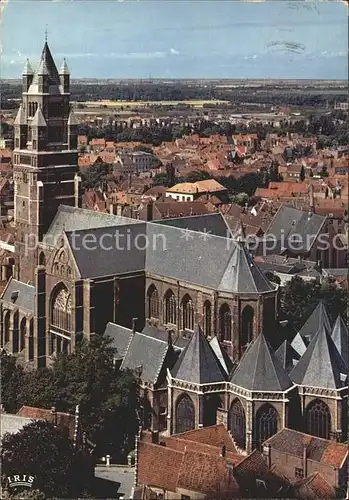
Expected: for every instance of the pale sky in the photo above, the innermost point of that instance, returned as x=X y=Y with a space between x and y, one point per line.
x=180 y=38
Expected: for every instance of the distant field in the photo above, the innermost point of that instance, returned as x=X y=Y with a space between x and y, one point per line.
x=139 y=104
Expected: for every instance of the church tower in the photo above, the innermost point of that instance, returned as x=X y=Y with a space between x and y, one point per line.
x=45 y=157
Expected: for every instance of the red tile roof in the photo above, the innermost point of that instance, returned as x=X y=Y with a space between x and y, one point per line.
x=158 y=466
x=62 y=420
x=214 y=435
x=314 y=487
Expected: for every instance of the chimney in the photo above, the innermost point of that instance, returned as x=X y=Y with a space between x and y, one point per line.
x=223 y=451
x=150 y=215
x=169 y=337
x=134 y=320
x=305 y=461
x=267 y=454
x=155 y=437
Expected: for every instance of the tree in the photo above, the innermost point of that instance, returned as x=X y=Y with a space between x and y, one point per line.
x=45 y=452
x=302 y=174
x=299 y=298
x=11 y=381
x=274 y=278
x=96 y=175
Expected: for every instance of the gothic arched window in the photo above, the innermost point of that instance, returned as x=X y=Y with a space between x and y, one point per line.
x=187 y=313
x=237 y=422
x=170 y=308
x=62 y=310
x=224 y=323
x=153 y=302
x=266 y=423
x=185 y=414
x=207 y=319
x=7 y=319
x=318 y=419
x=42 y=261
x=31 y=340
x=246 y=326
x=22 y=333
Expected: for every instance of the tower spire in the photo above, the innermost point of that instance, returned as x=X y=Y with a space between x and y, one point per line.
x=46 y=33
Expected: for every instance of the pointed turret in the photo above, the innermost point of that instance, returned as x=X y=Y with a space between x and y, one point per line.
x=299 y=345
x=20 y=117
x=321 y=365
x=197 y=363
x=39 y=130
x=242 y=274
x=39 y=119
x=64 y=77
x=260 y=370
x=64 y=70
x=340 y=337
x=27 y=70
x=287 y=356
x=20 y=129
x=316 y=320
x=27 y=76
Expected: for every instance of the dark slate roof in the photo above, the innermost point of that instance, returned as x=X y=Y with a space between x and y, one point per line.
x=321 y=365
x=298 y=344
x=287 y=356
x=178 y=341
x=193 y=257
x=214 y=224
x=289 y=221
x=47 y=67
x=222 y=356
x=121 y=337
x=316 y=320
x=73 y=219
x=148 y=353
x=197 y=363
x=260 y=370
x=113 y=250
x=25 y=296
x=340 y=337
x=242 y=274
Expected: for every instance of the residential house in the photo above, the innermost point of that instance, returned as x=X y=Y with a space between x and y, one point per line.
x=190 y=191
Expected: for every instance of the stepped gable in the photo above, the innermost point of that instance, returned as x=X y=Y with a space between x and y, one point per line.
x=198 y=363
x=321 y=365
x=260 y=369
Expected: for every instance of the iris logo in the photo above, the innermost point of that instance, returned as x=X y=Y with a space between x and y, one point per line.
x=23 y=480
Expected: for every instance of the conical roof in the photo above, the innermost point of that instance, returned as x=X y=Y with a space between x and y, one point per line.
x=222 y=356
x=39 y=119
x=27 y=70
x=197 y=363
x=287 y=356
x=321 y=365
x=47 y=67
x=260 y=370
x=20 y=117
x=64 y=70
x=340 y=337
x=298 y=344
x=316 y=320
x=242 y=274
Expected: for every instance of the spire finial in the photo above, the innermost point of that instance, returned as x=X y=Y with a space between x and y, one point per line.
x=46 y=33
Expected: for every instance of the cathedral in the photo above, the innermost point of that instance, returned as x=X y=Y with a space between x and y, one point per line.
x=187 y=308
